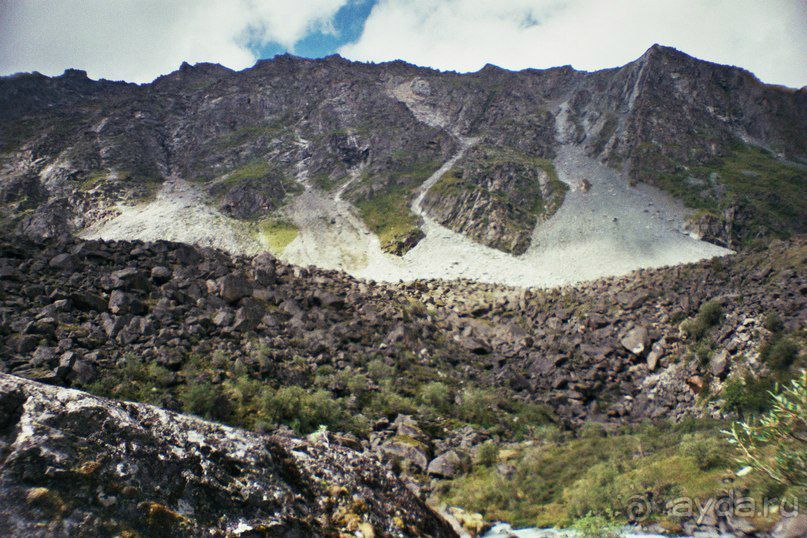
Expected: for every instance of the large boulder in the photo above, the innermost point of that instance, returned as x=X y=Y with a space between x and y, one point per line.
x=448 y=465
x=234 y=287
x=73 y=461
x=636 y=340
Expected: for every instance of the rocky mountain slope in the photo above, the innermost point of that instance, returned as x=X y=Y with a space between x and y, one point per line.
x=256 y=151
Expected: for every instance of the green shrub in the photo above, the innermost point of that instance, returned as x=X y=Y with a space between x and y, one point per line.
x=206 y=400
x=708 y=316
x=596 y=492
x=303 y=411
x=436 y=395
x=487 y=454
x=776 y=444
x=593 y=526
x=380 y=371
x=780 y=352
x=710 y=313
x=773 y=323
x=134 y=380
x=708 y=452
x=389 y=403
x=747 y=395
x=479 y=406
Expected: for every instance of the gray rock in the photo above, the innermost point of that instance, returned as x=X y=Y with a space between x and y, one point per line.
x=63 y=261
x=408 y=450
x=84 y=300
x=95 y=464
x=656 y=354
x=448 y=465
x=125 y=303
x=234 y=287
x=791 y=527
x=223 y=318
x=44 y=356
x=161 y=274
x=637 y=340
x=719 y=363
x=129 y=278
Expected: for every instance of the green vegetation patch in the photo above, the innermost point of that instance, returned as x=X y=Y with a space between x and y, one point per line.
x=276 y=234
x=560 y=479
x=143 y=188
x=487 y=160
x=218 y=388
x=250 y=133
x=386 y=211
x=251 y=170
x=388 y=215
x=769 y=192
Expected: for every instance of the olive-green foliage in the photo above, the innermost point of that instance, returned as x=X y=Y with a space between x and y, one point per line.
x=248 y=134
x=276 y=234
x=517 y=202
x=780 y=352
x=708 y=316
x=436 y=395
x=773 y=322
x=302 y=410
x=388 y=215
x=218 y=388
x=747 y=395
x=206 y=400
x=776 y=444
x=560 y=480
x=134 y=380
x=251 y=170
x=487 y=454
x=143 y=187
x=478 y=406
x=708 y=451
x=386 y=210
x=593 y=526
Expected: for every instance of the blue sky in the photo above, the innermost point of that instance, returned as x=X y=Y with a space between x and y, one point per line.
x=348 y=24
x=139 y=40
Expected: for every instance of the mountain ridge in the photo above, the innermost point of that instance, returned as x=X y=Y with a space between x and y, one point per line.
x=77 y=153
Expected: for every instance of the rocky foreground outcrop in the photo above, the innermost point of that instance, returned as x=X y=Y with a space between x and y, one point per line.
x=72 y=464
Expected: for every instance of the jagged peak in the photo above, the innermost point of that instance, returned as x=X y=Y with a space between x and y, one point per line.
x=74 y=73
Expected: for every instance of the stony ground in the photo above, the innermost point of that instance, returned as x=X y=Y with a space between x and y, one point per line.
x=71 y=309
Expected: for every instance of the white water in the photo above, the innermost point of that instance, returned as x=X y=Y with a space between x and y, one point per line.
x=503 y=530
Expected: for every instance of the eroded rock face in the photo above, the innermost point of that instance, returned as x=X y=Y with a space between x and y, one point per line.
x=71 y=463
x=496 y=197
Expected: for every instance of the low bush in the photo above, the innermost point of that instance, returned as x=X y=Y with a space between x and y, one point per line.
x=708 y=316
x=780 y=352
x=206 y=400
x=487 y=454
x=707 y=451
x=436 y=395
x=747 y=395
x=773 y=323
x=555 y=482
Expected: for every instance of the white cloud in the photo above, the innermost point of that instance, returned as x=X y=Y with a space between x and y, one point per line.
x=769 y=38
x=138 y=40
